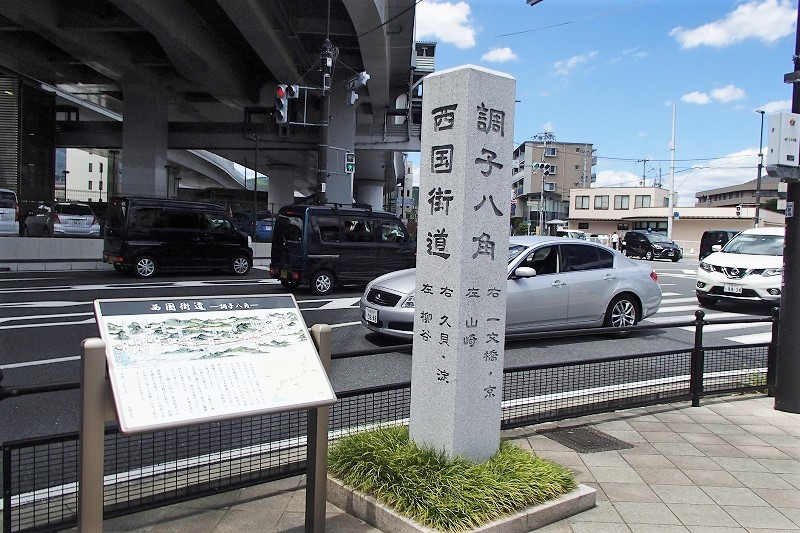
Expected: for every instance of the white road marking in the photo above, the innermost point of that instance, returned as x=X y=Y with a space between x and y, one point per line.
x=753 y=338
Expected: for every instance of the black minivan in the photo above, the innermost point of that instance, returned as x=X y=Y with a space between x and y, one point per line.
x=329 y=245
x=650 y=245
x=146 y=235
x=714 y=237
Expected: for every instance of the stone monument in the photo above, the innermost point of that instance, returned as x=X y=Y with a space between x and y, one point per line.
x=462 y=261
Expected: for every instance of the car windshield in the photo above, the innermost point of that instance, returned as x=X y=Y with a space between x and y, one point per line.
x=753 y=244
x=74 y=209
x=657 y=237
x=514 y=250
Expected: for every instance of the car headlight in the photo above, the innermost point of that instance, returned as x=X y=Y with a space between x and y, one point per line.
x=657 y=247
x=772 y=272
x=408 y=302
x=705 y=266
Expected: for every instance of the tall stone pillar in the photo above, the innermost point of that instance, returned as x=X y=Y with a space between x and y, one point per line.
x=462 y=261
x=281 y=190
x=144 y=140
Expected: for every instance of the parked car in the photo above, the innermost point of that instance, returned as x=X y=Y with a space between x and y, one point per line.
x=571 y=233
x=264 y=227
x=9 y=212
x=650 y=245
x=715 y=237
x=329 y=245
x=146 y=235
x=62 y=219
x=749 y=268
x=552 y=283
x=244 y=221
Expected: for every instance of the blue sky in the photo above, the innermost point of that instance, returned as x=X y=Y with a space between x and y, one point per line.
x=608 y=72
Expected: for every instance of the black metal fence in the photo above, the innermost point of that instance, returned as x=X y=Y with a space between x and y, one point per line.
x=40 y=476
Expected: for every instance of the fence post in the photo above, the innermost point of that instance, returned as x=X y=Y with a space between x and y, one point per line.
x=772 y=351
x=317 y=444
x=698 y=359
x=92 y=436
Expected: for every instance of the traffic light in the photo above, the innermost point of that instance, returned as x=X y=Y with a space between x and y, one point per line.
x=350 y=163
x=292 y=91
x=281 y=105
x=738 y=211
x=544 y=168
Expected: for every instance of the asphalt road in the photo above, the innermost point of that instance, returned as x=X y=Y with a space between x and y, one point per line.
x=46 y=316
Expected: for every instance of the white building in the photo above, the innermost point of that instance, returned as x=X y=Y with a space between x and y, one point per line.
x=606 y=210
x=86 y=178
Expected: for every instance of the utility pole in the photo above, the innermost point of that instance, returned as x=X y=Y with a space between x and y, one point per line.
x=644 y=171
x=787 y=378
x=760 y=166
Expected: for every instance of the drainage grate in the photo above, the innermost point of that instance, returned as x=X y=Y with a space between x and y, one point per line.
x=584 y=439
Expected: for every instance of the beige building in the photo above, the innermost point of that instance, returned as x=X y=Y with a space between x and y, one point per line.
x=743 y=194
x=606 y=210
x=570 y=165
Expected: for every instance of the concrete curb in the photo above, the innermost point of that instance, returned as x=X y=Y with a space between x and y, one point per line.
x=384 y=518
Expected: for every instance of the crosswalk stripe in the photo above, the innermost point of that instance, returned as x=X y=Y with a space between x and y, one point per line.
x=725 y=327
x=665 y=294
x=667 y=319
x=669 y=301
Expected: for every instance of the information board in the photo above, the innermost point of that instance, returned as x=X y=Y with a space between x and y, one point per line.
x=186 y=360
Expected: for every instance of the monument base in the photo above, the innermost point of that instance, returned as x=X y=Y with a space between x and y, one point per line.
x=384 y=518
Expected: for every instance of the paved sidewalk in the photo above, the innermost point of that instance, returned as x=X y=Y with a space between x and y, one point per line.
x=732 y=465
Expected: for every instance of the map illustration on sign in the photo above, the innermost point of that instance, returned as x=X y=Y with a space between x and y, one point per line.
x=180 y=361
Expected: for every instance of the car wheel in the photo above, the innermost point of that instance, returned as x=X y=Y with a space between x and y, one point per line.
x=622 y=311
x=706 y=301
x=240 y=265
x=290 y=283
x=648 y=255
x=322 y=283
x=145 y=267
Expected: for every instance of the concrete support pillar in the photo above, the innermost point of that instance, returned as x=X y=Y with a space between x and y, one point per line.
x=341 y=138
x=144 y=140
x=281 y=190
x=370 y=193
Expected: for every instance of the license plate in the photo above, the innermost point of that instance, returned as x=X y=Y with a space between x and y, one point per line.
x=371 y=315
x=735 y=289
x=670 y=252
x=284 y=274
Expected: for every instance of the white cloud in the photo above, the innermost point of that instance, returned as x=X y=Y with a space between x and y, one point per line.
x=499 y=55
x=445 y=22
x=568 y=65
x=777 y=106
x=726 y=94
x=696 y=97
x=766 y=20
x=729 y=93
x=733 y=169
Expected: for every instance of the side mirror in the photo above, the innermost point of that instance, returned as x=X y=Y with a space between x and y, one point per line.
x=524 y=272
x=716 y=247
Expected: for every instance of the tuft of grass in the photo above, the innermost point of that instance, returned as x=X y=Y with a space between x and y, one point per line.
x=456 y=495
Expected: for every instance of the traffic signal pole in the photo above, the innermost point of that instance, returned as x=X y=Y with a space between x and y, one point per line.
x=326 y=57
x=787 y=366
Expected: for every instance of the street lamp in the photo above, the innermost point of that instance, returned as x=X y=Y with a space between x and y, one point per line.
x=760 y=166
x=65 y=185
x=546 y=136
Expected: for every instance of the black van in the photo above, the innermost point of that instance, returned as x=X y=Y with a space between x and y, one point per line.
x=714 y=237
x=329 y=245
x=145 y=235
x=650 y=245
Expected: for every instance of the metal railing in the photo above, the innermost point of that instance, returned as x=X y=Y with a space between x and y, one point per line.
x=40 y=476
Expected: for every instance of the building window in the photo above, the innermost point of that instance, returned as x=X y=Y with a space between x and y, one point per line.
x=581 y=202
x=90 y=167
x=622 y=201
x=622 y=226
x=666 y=202
x=583 y=225
x=101 y=167
x=100 y=185
x=642 y=200
x=576 y=167
x=553 y=170
x=90 y=185
x=601 y=202
x=551 y=151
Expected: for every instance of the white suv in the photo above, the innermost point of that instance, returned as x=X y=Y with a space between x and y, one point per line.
x=748 y=268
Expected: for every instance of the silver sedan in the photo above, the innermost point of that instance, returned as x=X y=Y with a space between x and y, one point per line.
x=552 y=284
